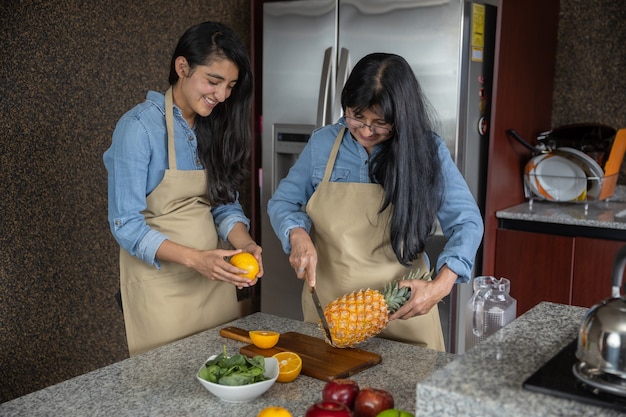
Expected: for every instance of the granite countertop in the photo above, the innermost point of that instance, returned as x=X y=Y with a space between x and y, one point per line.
x=608 y=214
x=162 y=382
x=486 y=381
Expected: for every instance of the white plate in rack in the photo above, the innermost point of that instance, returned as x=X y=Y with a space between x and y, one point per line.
x=592 y=169
x=530 y=180
x=560 y=179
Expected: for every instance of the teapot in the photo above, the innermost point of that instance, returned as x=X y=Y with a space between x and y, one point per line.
x=602 y=336
x=490 y=308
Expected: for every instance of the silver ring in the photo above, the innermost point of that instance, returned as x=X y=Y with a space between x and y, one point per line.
x=300 y=269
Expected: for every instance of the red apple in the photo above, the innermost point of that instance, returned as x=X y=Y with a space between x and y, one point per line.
x=328 y=409
x=342 y=390
x=371 y=401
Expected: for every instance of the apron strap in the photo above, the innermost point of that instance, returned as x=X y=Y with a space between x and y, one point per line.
x=333 y=155
x=169 y=121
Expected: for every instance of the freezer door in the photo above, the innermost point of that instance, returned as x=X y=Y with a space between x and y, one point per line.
x=296 y=37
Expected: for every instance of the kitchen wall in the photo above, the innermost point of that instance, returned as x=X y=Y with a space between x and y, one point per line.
x=591 y=61
x=68 y=70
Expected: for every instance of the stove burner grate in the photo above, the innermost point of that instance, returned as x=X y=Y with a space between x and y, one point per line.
x=598 y=379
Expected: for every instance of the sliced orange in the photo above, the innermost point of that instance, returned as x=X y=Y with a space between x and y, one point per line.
x=264 y=339
x=289 y=366
x=247 y=261
x=274 y=412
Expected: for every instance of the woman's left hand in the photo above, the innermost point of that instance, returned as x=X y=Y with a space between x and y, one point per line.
x=425 y=294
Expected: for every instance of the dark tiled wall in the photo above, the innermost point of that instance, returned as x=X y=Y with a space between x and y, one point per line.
x=590 y=86
x=68 y=70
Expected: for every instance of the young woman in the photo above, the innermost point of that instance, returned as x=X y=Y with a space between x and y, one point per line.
x=357 y=207
x=174 y=166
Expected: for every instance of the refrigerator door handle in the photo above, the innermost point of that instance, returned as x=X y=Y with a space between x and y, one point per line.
x=343 y=71
x=323 y=102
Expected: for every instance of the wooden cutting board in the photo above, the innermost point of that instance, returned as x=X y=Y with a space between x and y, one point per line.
x=319 y=360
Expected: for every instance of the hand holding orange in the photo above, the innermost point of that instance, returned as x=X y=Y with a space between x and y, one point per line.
x=247 y=261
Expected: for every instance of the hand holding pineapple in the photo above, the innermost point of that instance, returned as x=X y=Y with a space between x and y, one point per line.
x=425 y=294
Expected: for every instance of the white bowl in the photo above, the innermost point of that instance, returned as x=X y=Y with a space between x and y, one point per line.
x=242 y=393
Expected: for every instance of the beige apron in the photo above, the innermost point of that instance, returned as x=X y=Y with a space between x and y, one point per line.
x=164 y=305
x=354 y=252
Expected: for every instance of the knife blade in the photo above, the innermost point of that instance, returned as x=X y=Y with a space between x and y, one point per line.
x=320 y=312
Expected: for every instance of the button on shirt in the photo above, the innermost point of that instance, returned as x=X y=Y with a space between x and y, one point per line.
x=136 y=163
x=459 y=216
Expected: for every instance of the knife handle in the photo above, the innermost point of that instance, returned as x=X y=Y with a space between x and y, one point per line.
x=235 y=333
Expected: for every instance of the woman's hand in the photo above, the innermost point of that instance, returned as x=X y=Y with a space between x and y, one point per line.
x=303 y=256
x=425 y=294
x=214 y=265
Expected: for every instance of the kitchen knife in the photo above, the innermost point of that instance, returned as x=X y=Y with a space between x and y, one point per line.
x=320 y=312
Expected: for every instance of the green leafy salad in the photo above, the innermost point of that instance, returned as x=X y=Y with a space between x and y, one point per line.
x=233 y=370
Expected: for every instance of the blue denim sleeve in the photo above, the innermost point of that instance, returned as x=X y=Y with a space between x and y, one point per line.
x=226 y=216
x=286 y=207
x=127 y=163
x=460 y=220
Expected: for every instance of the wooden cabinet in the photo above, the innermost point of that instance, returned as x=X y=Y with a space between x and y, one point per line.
x=522 y=100
x=560 y=269
x=593 y=269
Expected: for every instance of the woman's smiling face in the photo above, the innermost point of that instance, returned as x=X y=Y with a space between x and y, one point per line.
x=368 y=127
x=205 y=87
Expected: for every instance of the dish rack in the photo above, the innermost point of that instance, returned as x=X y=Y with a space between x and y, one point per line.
x=568 y=189
x=571 y=176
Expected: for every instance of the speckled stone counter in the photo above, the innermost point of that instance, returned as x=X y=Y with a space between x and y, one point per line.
x=487 y=381
x=162 y=382
x=609 y=214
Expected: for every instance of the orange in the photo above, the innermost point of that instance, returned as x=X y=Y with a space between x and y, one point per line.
x=289 y=366
x=264 y=339
x=274 y=412
x=247 y=261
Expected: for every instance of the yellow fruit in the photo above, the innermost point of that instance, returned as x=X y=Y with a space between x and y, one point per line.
x=247 y=261
x=355 y=317
x=264 y=339
x=289 y=366
x=274 y=412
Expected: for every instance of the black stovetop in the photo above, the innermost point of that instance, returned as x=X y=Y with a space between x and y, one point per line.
x=557 y=378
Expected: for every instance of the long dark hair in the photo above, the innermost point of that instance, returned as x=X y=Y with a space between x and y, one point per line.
x=407 y=165
x=223 y=136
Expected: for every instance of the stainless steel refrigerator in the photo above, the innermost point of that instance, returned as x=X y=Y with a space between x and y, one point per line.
x=309 y=47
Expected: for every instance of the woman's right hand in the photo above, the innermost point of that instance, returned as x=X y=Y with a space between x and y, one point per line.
x=303 y=256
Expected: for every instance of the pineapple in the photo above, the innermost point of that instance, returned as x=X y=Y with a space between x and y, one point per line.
x=355 y=317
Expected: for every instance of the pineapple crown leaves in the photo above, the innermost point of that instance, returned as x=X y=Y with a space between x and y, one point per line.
x=395 y=297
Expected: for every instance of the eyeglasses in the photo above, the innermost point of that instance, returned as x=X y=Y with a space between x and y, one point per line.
x=357 y=124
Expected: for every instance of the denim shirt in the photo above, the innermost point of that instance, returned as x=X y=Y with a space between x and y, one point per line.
x=136 y=163
x=459 y=216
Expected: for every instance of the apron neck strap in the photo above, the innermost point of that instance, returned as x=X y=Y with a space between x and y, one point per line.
x=169 y=121
x=333 y=155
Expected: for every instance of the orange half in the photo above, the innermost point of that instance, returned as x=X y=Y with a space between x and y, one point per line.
x=264 y=339
x=289 y=366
